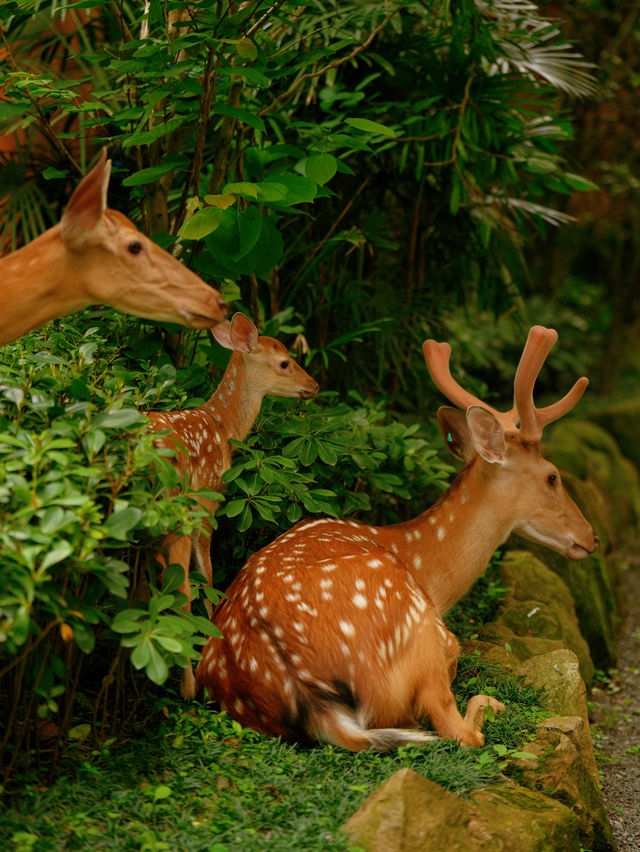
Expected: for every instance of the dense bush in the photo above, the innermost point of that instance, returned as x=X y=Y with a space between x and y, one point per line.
x=82 y=501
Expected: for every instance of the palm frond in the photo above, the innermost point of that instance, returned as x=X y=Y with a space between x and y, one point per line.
x=557 y=64
x=523 y=39
x=547 y=214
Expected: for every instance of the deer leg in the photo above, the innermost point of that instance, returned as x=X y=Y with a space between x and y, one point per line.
x=202 y=552
x=475 y=709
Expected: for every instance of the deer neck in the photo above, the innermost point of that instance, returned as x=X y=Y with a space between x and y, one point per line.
x=236 y=403
x=449 y=546
x=35 y=286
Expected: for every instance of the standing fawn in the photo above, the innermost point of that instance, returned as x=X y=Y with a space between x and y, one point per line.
x=334 y=631
x=259 y=367
x=97 y=256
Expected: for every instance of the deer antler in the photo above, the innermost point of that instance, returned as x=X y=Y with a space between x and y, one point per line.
x=533 y=420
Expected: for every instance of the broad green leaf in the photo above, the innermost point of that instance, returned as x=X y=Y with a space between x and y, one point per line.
x=121 y=522
x=249 y=228
x=141 y=654
x=246 y=48
x=156 y=669
x=172 y=578
x=118 y=418
x=321 y=168
x=241 y=114
x=149 y=175
x=220 y=201
x=202 y=223
x=57 y=553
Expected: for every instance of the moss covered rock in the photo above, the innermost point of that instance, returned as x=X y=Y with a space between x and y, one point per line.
x=621 y=420
x=559 y=771
x=538 y=614
x=409 y=812
x=565 y=694
x=591 y=582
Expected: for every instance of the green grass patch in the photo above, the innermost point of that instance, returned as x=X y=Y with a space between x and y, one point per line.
x=200 y=781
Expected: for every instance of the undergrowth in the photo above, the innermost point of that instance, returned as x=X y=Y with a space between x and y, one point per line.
x=202 y=782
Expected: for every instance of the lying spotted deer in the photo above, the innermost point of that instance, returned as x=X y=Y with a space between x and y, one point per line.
x=97 y=256
x=259 y=367
x=334 y=631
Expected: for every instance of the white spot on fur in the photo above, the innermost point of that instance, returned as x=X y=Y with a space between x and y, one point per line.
x=441 y=533
x=360 y=601
x=238 y=706
x=326 y=583
x=347 y=628
x=417 y=561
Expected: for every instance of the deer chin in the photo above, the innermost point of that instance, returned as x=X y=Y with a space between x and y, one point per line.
x=199 y=321
x=577 y=551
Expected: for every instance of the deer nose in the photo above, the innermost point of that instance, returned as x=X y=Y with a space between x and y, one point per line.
x=596 y=541
x=224 y=307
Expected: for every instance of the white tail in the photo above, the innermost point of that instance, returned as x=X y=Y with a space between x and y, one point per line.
x=259 y=367
x=97 y=256
x=334 y=631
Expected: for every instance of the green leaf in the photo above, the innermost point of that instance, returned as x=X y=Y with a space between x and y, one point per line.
x=121 y=522
x=368 y=126
x=202 y=222
x=580 y=183
x=300 y=190
x=118 y=418
x=246 y=48
x=249 y=228
x=321 y=168
x=172 y=578
x=57 y=553
x=141 y=654
x=145 y=176
x=241 y=114
x=156 y=669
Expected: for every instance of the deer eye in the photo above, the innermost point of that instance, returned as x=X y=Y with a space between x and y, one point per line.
x=284 y=365
x=552 y=478
x=135 y=247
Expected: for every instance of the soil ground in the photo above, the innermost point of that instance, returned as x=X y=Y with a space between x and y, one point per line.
x=616 y=717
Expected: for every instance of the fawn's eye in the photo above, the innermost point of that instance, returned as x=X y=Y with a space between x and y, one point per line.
x=284 y=365
x=552 y=478
x=135 y=247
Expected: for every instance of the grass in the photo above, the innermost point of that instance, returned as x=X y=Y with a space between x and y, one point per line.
x=201 y=782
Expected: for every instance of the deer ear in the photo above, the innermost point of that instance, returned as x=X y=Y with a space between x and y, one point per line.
x=221 y=332
x=84 y=211
x=487 y=434
x=244 y=334
x=453 y=425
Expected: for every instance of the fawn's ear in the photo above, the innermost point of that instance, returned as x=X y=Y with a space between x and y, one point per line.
x=222 y=333
x=83 y=213
x=453 y=425
x=487 y=434
x=243 y=334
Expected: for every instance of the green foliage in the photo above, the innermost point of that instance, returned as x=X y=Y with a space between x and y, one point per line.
x=84 y=498
x=357 y=163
